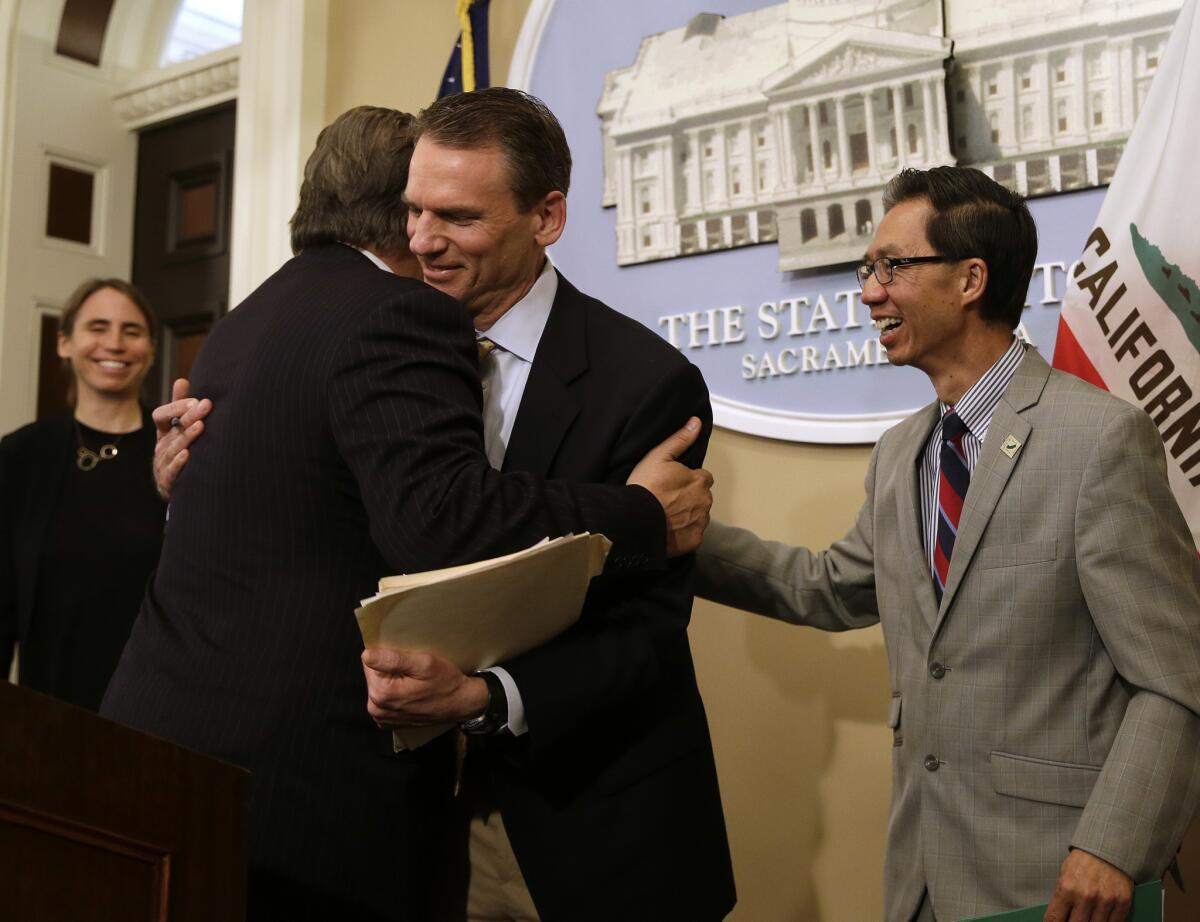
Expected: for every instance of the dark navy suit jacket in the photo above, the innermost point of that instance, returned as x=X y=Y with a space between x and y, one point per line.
x=345 y=444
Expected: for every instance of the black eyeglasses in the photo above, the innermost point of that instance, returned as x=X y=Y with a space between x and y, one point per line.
x=885 y=267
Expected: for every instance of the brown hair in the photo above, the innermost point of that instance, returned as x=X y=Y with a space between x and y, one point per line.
x=73 y=304
x=354 y=180
x=539 y=160
x=66 y=320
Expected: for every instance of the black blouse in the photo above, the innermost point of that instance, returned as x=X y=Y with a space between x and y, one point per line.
x=100 y=544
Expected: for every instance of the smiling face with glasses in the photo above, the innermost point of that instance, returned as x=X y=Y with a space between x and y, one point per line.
x=924 y=306
x=884 y=268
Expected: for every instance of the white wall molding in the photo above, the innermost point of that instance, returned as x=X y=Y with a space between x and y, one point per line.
x=8 y=27
x=168 y=92
x=839 y=429
x=55 y=109
x=281 y=107
x=520 y=72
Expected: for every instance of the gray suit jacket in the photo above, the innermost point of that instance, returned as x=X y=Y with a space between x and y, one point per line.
x=1051 y=700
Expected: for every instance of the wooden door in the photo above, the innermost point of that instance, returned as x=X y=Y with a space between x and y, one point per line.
x=181 y=234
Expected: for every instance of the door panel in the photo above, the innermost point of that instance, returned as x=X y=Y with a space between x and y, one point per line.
x=181 y=233
x=52 y=377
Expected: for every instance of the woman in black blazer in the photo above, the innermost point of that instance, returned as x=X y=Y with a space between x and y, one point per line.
x=80 y=521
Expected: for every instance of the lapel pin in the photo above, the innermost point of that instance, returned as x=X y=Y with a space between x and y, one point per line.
x=1010 y=446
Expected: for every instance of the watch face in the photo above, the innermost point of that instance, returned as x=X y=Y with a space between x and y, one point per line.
x=495 y=716
x=478 y=726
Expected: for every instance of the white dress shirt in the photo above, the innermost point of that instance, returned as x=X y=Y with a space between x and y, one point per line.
x=505 y=369
x=503 y=373
x=375 y=259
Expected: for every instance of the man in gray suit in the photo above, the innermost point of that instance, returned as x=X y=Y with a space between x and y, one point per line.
x=1037 y=585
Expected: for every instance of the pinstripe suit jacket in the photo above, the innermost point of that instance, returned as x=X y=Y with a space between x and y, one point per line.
x=1051 y=700
x=345 y=444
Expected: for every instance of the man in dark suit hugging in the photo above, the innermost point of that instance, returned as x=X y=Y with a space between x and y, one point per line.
x=345 y=443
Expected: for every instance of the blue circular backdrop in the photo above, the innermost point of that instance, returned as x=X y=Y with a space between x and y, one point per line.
x=581 y=42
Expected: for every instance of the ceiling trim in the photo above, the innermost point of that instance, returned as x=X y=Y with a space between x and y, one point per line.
x=169 y=92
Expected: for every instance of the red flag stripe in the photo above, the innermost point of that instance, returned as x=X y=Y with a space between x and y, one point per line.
x=1069 y=356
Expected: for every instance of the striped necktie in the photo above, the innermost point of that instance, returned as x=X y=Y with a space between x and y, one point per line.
x=953 y=481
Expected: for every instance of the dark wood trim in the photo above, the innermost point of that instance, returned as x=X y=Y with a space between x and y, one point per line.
x=158 y=859
x=81 y=30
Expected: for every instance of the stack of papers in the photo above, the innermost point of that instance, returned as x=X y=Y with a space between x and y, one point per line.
x=481 y=614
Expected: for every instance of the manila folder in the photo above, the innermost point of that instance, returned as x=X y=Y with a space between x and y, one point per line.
x=483 y=613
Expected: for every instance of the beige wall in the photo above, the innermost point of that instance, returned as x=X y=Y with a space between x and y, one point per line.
x=393 y=52
x=797 y=716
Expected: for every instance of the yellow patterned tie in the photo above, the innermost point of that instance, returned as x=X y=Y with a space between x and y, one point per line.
x=485 y=347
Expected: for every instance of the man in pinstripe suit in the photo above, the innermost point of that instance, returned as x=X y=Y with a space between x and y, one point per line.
x=345 y=444
x=1043 y=637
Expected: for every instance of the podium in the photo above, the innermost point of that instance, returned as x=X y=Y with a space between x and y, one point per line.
x=100 y=823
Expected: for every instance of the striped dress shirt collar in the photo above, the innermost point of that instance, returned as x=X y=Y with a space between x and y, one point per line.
x=975 y=408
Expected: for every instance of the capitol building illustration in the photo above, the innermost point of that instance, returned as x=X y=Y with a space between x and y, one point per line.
x=784 y=124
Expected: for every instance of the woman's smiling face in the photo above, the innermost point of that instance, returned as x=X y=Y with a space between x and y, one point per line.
x=109 y=346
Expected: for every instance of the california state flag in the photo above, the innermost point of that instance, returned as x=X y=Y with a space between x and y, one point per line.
x=1131 y=314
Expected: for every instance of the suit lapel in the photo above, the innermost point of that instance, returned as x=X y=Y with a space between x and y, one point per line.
x=995 y=468
x=548 y=407
x=912 y=529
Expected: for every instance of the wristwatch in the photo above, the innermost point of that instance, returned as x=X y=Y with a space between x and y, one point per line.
x=494 y=718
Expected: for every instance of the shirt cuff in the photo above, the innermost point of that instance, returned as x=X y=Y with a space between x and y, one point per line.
x=516 y=707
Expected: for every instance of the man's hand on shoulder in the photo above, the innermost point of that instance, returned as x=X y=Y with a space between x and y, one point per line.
x=684 y=494
x=178 y=423
x=1090 y=889
x=414 y=689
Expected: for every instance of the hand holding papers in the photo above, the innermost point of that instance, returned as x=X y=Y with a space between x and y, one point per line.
x=481 y=614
